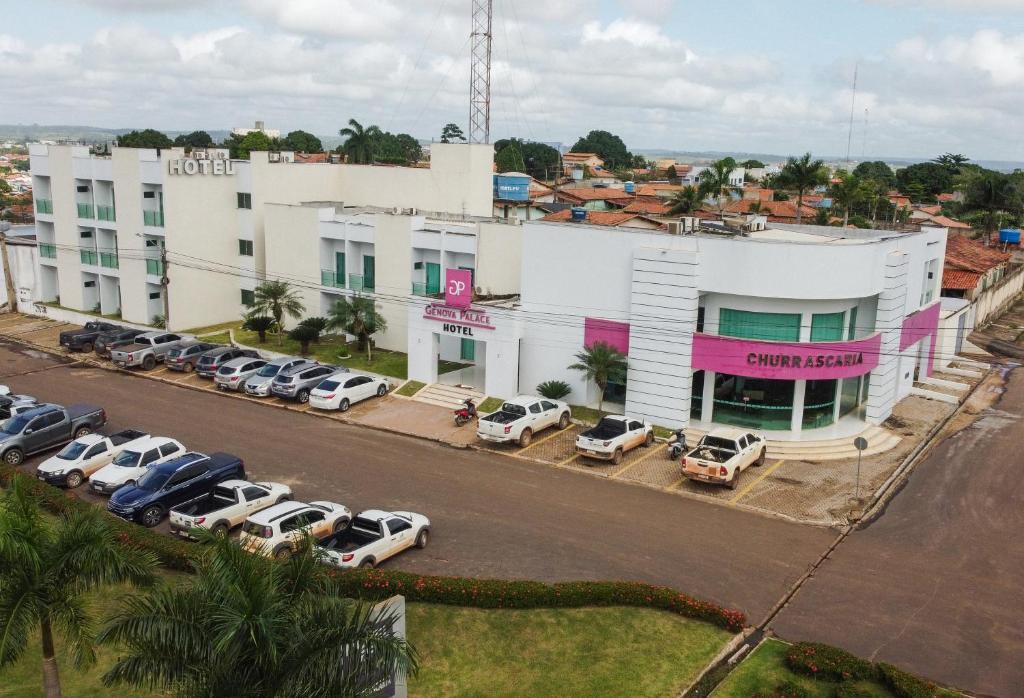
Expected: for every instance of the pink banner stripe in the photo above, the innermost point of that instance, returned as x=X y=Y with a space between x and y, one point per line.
x=615 y=334
x=786 y=360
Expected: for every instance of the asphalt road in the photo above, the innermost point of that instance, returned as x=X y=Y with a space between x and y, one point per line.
x=492 y=516
x=935 y=585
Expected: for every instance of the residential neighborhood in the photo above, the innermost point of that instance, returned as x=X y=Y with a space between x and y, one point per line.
x=678 y=387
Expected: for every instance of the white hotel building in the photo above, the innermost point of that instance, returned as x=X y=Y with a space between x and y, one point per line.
x=795 y=330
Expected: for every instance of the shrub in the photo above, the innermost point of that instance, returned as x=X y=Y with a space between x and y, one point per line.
x=826 y=662
x=904 y=685
x=553 y=390
x=786 y=689
x=852 y=690
x=304 y=334
x=317 y=324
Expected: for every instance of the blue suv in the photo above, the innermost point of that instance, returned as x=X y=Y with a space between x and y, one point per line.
x=168 y=484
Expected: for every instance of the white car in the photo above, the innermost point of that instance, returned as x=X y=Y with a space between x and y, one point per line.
x=85 y=456
x=342 y=390
x=5 y=390
x=129 y=465
x=373 y=537
x=614 y=436
x=276 y=531
x=229 y=504
x=520 y=419
x=723 y=454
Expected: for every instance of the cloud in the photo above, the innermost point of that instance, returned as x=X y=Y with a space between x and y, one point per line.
x=631 y=31
x=972 y=6
x=141 y=6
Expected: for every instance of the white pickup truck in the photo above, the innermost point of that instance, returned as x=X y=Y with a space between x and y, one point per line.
x=723 y=454
x=519 y=420
x=132 y=463
x=613 y=436
x=86 y=455
x=227 y=506
x=373 y=537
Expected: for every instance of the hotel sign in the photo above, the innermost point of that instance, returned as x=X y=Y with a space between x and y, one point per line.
x=465 y=317
x=191 y=166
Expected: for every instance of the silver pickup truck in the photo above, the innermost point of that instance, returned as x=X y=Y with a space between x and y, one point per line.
x=148 y=350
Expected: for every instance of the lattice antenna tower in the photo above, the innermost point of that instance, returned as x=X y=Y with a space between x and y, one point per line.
x=480 y=73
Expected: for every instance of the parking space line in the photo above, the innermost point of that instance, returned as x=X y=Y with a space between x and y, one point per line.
x=742 y=493
x=546 y=438
x=676 y=484
x=568 y=460
x=160 y=371
x=657 y=449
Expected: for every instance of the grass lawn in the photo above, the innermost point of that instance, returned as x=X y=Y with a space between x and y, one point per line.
x=557 y=652
x=410 y=388
x=219 y=338
x=491 y=404
x=225 y=326
x=387 y=363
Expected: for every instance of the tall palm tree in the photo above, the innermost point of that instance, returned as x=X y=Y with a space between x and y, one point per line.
x=847 y=193
x=277 y=299
x=265 y=628
x=358 y=145
x=603 y=364
x=801 y=174
x=359 y=316
x=684 y=201
x=47 y=569
x=714 y=182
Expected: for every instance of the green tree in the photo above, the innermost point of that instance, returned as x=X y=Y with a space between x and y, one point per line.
x=196 y=139
x=802 y=174
x=359 y=316
x=924 y=180
x=876 y=194
x=602 y=364
x=277 y=299
x=877 y=170
x=847 y=192
x=671 y=173
x=714 y=182
x=992 y=194
x=821 y=217
x=147 y=138
x=260 y=324
x=303 y=334
x=5 y=187
x=752 y=164
x=246 y=625
x=254 y=140
x=359 y=142
x=318 y=325
x=302 y=142
x=509 y=159
x=607 y=146
x=451 y=133
x=46 y=571
x=684 y=201
x=538 y=160
x=953 y=162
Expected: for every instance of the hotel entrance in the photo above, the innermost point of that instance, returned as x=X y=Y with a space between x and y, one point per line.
x=461 y=361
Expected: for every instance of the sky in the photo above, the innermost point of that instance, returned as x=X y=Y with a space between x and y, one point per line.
x=743 y=75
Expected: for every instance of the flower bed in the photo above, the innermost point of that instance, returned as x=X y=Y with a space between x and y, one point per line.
x=833 y=664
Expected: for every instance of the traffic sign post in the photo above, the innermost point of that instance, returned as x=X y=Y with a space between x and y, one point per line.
x=860 y=443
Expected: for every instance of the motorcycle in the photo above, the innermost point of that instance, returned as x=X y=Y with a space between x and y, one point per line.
x=465 y=414
x=677 y=446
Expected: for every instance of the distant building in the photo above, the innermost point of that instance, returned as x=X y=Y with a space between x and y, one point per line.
x=269 y=132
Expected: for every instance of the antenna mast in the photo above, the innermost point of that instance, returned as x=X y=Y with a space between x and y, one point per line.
x=480 y=73
x=853 y=104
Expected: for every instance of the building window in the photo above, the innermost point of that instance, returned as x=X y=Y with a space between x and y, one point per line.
x=90 y=284
x=778 y=327
x=827 y=327
x=149 y=195
x=244 y=200
x=154 y=296
x=248 y=297
x=245 y=248
x=853 y=324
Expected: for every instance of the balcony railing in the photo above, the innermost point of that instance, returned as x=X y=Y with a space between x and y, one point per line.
x=331 y=278
x=44 y=206
x=106 y=213
x=419 y=288
x=86 y=211
x=47 y=251
x=109 y=260
x=357 y=282
x=154 y=267
x=89 y=257
x=153 y=218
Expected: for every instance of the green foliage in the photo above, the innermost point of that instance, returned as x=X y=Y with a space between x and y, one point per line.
x=686 y=200
x=159 y=321
x=304 y=334
x=5 y=187
x=147 y=138
x=359 y=142
x=491 y=404
x=255 y=140
x=317 y=324
x=302 y=142
x=924 y=180
x=260 y=324
x=714 y=182
x=992 y=194
x=410 y=388
x=603 y=364
x=400 y=149
x=877 y=170
x=359 y=316
x=608 y=147
x=954 y=162
x=451 y=133
x=538 y=160
x=828 y=663
x=821 y=217
x=752 y=164
x=277 y=299
x=852 y=690
x=786 y=689
x=671 y=173
x=905 y=685
x=800 y=175
x=196 y=139
x=553 y=390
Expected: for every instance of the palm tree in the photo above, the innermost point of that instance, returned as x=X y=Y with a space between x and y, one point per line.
x=991 y=193
x=277 y=299
x=875 y=192
x=358 y=145
x=265 y=628
x=259 y=324
x=47 y=569
x=318 y=324
x=684 y=201
x=303 y=334
x=847 y=193
x=714 y=182
x=801 y=174
x=359 y=316
x=603 y=364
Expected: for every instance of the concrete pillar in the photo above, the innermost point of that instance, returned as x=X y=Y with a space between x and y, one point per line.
x=839 y=398
x=707 y=405
x=889 y=317
x=797 y=421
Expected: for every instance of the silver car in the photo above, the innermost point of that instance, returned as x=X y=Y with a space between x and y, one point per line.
x=296 y=383
x=233 y=374
x=258 y=384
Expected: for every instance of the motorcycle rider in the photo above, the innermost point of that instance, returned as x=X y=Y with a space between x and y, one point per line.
x=470 y=407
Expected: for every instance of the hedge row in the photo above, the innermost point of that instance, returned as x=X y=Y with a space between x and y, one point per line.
x=180 y=555
x=833 y=664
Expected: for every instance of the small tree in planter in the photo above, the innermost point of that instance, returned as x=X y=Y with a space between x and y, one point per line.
x=319 y=324
x=303 y=334
x=361 y=317
x=554 y=390
x=260 y=324
x=603 y=364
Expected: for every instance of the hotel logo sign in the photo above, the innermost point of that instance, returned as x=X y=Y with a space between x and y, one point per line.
x=458 y=288
x=191 y=166
x=467 y=317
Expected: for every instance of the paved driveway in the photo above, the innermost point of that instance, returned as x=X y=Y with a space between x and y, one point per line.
x=493 y=516
x=935 y=585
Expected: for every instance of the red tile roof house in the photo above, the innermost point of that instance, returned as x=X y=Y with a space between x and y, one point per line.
x=616 y=219
x=971 y=267
x=593 y=198
x=777 y=211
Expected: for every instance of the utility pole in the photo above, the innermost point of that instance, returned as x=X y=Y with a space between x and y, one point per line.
x=12 y=296
x=480 y=73
x=165 y=283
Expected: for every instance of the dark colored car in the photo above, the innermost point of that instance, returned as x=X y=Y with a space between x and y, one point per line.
x=114 y=339
x=45 y=427
x=171 y=483
x=185 y=358
x=84 y=339
x=212 y=360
